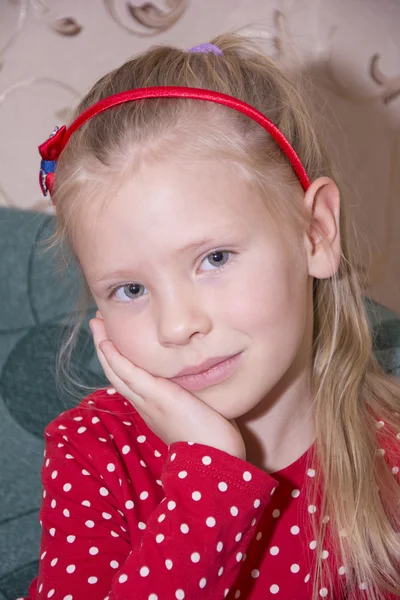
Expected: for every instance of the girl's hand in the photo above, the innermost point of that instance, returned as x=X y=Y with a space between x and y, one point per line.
x=172 y=413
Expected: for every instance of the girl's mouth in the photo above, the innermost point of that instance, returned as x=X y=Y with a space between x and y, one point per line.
x=216 y=374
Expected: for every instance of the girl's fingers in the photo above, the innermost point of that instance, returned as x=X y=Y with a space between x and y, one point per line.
x=98 y=331
x=124 y=389
x=138 y=381
x=99 y=336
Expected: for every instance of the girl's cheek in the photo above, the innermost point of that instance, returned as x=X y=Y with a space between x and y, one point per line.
x=130 y=338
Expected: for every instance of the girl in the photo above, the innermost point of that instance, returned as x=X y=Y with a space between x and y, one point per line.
x=249 y=446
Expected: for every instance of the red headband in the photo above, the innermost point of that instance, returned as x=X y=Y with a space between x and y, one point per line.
x=51 y=149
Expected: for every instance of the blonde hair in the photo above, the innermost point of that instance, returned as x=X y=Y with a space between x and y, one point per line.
x=360 y=493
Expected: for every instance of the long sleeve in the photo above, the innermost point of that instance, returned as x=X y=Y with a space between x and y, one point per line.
x=114 y=525
x=196 y=538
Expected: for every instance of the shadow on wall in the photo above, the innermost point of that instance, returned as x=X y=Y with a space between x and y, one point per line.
x=363 y=137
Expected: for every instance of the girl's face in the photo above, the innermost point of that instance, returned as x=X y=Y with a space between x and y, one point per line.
x=186 y=264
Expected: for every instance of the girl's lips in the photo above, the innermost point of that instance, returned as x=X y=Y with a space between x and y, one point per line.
x=204 y=366
x=213 y=375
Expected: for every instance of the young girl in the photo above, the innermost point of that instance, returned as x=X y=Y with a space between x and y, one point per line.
x=249 y=446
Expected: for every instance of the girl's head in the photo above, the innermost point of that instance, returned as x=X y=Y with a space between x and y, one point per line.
x=147 y=190
x=197 y=241
x=186 y=264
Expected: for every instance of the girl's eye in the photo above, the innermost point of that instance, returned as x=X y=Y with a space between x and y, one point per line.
x=129 y=291
x=216 y=259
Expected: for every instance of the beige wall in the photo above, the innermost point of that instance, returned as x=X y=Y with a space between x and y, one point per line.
x=52 y=50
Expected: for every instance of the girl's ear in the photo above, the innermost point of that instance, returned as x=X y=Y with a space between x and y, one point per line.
x=322 y=239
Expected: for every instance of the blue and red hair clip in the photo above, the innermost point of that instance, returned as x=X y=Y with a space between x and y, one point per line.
x=50 y=151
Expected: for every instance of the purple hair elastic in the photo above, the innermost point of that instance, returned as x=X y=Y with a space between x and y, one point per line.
x=207 y=48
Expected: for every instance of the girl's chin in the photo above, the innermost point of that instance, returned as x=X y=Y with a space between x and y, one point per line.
x=228 y=407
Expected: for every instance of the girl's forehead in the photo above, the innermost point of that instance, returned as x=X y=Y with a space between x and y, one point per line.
x=171 y=209
x=188 y=195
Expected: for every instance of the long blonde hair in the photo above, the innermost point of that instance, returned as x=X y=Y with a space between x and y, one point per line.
x=360 y=493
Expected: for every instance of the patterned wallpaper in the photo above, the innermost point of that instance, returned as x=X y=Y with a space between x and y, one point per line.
x=51 y=51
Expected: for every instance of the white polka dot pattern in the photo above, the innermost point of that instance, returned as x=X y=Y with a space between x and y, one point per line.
x=158 y=515
x=123 y=515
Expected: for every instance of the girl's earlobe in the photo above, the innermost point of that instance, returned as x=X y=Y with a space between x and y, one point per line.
x=322 y=202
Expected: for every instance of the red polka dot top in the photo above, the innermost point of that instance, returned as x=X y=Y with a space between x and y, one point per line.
x=125 y=517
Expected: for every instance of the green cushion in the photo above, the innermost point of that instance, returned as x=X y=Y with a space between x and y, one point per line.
x=34 y=302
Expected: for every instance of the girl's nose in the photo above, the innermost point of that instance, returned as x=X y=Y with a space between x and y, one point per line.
x=180 y=317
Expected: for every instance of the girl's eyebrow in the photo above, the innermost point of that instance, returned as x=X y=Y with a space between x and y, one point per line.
x=205 y=241
x=194 y=245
